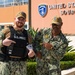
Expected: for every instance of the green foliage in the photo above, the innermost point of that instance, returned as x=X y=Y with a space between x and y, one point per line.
x=33 y=59
x=67 y=64
x=33 y=32
x=69 y=56
x=70 y=49
x=31 y=68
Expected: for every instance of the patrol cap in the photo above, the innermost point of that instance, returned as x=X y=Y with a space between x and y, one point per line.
x=57 y=20
x=21 y=14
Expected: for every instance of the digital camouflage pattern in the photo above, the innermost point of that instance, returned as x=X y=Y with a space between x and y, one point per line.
x=11 y=67
x=50 y=62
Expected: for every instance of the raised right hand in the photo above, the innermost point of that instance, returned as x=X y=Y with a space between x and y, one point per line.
x=7 y=42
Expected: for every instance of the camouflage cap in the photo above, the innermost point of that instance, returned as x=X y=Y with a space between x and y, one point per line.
x=21 y=14
x=57 y=20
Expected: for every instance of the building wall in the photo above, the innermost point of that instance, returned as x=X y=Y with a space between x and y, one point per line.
x=7 y=14
x=37 y=21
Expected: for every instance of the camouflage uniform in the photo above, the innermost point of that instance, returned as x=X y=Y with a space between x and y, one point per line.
x=50 y=62
x=11 y=67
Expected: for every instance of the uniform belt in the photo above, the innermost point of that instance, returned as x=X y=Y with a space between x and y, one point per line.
x=3 y=57
x=16 y=58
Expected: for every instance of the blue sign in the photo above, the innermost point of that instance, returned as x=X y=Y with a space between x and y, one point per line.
x=42 y=9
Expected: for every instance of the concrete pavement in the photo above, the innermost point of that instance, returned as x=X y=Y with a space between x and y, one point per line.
x=70 y=71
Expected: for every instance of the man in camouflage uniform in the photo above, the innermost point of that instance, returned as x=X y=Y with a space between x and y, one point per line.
x=16 y=67
x=50 y=45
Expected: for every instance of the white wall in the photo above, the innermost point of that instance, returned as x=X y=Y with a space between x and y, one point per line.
x=72 y=39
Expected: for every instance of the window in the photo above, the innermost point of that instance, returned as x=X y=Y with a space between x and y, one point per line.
x=6 y=3
x=1 y=3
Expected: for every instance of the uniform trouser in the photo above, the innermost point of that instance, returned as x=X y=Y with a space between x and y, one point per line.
x=43 y=71
x=45 y=68
x=13 y=68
